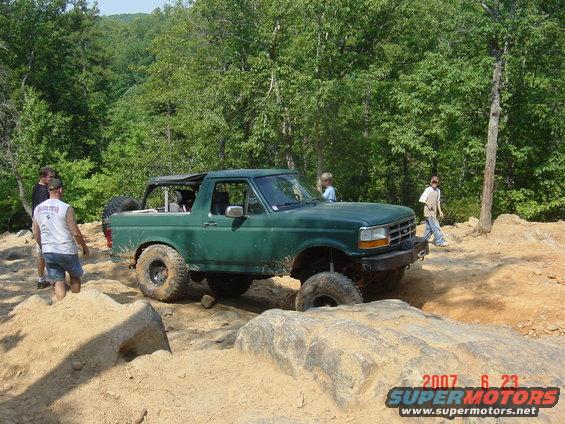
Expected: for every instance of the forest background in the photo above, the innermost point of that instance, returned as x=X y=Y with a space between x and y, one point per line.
x=381 y=93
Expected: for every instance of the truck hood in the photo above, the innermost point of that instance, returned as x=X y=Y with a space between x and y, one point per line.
x=346 y=214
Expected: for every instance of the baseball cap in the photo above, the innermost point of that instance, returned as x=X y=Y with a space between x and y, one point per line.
x=434 y=179
x=54 y=184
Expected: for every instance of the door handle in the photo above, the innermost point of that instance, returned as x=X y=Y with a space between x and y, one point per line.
x=210 y=224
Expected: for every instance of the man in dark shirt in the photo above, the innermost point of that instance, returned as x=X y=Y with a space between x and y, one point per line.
x=39 y=195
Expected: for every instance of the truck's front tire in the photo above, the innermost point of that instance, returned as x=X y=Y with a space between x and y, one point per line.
x=162 y=273
x=327 y=289
x=226 y=285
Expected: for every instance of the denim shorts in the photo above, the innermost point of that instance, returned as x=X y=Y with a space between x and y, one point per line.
x=58 y=263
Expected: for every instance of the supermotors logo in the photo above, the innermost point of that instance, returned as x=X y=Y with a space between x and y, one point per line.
x=471 y=401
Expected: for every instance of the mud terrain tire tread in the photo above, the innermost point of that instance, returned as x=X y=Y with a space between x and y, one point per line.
x=226 y=286
x=332 y=284
x=119 y=204
x=177 y=279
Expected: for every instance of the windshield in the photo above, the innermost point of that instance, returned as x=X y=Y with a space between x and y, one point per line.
x=287 y=191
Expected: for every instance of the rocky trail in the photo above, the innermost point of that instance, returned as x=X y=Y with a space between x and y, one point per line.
x=105 y=356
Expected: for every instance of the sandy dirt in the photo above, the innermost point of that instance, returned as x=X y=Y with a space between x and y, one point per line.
x=513 y=277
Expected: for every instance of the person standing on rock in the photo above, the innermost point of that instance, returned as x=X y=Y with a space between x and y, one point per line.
x=57 y=234
x=431 y=197
x=327 y=184
x=40 y=194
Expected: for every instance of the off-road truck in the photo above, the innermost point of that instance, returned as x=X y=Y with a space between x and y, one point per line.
x=247 y=225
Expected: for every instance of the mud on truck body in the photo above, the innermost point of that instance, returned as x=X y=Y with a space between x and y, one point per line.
x=247 y=225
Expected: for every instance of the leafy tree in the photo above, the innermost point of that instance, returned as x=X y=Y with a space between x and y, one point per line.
x=381 y=93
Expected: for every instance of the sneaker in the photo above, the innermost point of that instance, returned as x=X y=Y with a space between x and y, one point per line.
x=444 y=244
x=42 y=284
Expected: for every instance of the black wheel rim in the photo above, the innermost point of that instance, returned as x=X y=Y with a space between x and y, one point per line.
x=324 y=300
x=158 y=272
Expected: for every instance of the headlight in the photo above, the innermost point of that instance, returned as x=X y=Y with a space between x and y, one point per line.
x=371 y=237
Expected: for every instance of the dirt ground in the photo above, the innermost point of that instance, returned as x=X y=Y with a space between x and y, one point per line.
x=513 y=277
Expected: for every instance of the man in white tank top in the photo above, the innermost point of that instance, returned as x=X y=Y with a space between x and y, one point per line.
x=57 y=233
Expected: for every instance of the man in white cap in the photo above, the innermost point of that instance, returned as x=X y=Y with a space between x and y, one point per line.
x=431 y=197
x=57 y=234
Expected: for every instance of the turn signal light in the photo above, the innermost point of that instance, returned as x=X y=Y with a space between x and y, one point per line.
x=373 y=243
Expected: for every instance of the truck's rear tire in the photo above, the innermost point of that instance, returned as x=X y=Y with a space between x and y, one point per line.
x=119 y=204
x=327 y=289
x=162 y=273
x=228 y=285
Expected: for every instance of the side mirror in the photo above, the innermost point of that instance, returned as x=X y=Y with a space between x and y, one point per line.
x=234 y=211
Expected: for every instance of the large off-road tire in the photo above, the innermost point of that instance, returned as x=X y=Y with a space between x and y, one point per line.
x=228 y=285
x=383 y=282
x=162 y=273
x=327 y=289
x=119 y=204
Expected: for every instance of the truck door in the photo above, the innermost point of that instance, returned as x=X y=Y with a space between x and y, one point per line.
x=235 y=244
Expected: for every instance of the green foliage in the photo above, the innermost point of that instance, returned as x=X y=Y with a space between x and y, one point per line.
x=124 y=17
x=84 y=190
x=381 y=93
x=13 y=216
x=459 y=210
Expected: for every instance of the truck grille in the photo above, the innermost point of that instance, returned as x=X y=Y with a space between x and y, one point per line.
x=402 y=230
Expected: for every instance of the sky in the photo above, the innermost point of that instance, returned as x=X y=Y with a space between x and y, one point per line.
x=112 y=7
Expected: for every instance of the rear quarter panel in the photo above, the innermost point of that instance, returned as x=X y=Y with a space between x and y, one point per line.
x=132 y=230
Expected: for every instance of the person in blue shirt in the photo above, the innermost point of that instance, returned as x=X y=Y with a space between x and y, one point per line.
x=327 y=185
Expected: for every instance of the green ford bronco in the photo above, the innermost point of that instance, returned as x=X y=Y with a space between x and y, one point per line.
x=232 y=227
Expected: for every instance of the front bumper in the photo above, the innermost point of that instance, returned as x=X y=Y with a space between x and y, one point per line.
x=411 y=250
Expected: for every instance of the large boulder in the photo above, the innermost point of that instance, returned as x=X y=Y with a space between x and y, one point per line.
x=49 y=349
x=357 y=353
x=84 y=333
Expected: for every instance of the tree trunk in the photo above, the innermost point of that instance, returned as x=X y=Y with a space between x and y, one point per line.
x=222 y=152
x=305 y=149
x=9 y=123
x=290 y=163
x=366 y=113
x=405 y=191
x=30 y=62
x=22 y=192
x=287 y=137
x=169 y=136
x=436 y=147
x=485 y=220
x=287 y=142
x=318 y=148
x=19 y=179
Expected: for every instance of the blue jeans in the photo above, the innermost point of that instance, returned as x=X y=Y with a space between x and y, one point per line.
x=432 y=227
x=58 y=263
